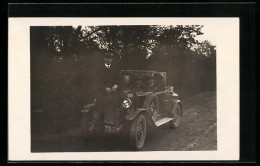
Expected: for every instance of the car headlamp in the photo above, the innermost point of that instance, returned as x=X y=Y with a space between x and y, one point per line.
x=127 y=103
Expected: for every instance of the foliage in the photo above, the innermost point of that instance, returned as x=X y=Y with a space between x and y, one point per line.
x=63 y=60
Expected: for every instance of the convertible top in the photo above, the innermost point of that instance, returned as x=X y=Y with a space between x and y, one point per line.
x=149 y=73
x=160 y=77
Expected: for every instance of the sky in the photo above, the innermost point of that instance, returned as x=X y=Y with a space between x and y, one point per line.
x=209 y=34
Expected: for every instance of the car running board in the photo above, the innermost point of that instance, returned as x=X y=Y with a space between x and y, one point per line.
x=162 y=121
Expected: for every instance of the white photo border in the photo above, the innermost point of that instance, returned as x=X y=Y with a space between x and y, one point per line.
x=227 y=48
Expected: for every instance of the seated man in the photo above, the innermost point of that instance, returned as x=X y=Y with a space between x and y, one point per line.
x=106 y=83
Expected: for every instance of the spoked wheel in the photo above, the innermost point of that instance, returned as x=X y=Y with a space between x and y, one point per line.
x=151 y=105
x=153 y=110
x=176 y=115
x=138 y=132
x=85 y=124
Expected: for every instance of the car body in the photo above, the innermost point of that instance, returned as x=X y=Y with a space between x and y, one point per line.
x=147 y=102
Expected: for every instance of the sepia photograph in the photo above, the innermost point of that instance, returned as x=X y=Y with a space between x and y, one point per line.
x=124 y=88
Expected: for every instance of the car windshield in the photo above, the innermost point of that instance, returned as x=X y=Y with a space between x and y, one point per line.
x=142 y=83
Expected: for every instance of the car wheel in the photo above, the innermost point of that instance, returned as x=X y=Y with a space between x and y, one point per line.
x=138 y=132
x=176 y=115
x=151 y=105
x=85 y=124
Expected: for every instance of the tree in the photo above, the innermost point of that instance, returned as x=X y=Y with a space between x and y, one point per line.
x=63 y=59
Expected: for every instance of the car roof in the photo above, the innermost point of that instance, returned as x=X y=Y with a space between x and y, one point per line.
x=142 y=73
x=148 y=73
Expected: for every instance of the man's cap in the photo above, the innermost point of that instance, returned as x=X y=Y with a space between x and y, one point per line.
x=108 y=55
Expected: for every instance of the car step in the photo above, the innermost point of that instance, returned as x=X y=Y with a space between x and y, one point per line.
x=162 y=121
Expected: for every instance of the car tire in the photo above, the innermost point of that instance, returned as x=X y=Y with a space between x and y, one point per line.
x=176 y=115
x=151 y=104
x=85 y=124
x=138 y=129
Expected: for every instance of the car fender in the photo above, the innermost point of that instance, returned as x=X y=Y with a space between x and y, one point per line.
x=133 y=113
x=174 y=103
x=88 y=108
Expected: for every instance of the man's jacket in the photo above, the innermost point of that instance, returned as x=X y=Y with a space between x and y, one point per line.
x=106 y=77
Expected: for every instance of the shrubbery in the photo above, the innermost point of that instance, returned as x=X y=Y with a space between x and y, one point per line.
x=61 y=81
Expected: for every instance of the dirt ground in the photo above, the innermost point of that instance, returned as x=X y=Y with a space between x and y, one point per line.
x=197 y=132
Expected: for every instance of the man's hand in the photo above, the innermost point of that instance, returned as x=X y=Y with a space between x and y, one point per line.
x=114 y=87
x=108 y=90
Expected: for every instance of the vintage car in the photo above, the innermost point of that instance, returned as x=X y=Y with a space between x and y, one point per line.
x=147 y=102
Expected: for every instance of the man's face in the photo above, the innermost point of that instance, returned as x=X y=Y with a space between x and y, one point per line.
x=108 y=61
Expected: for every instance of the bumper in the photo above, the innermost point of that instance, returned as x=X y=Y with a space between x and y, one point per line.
x=113 y=128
